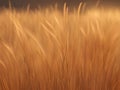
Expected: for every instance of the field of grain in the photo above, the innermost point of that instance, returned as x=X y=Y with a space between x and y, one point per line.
x=60 y=50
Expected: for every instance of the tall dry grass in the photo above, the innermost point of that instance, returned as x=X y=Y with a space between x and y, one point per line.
x=51 y=50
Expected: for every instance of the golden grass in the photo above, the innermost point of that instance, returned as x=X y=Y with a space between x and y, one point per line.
x=51 y=50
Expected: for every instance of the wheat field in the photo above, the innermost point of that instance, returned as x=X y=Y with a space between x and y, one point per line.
x=54 y=50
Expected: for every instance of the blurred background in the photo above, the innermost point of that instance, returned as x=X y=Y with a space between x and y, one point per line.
x=60 y=3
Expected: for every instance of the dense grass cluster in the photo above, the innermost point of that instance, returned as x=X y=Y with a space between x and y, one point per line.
x=54 y=50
